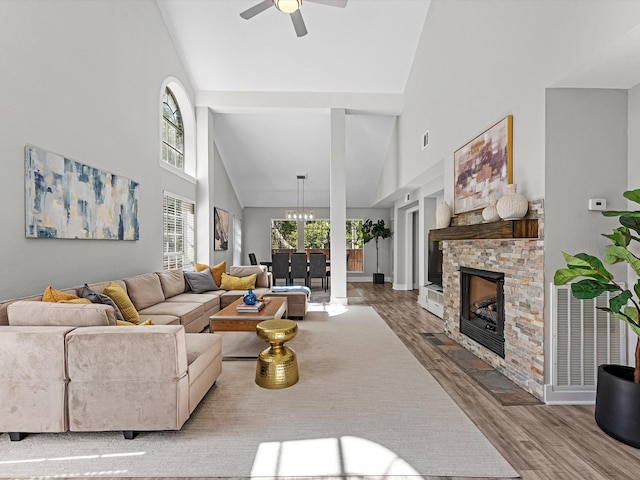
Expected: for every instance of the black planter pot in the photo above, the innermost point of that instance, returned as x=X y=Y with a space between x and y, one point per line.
x=618 y=404
x=378 y=278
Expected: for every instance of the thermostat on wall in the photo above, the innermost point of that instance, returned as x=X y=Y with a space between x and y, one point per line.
x=597 y=204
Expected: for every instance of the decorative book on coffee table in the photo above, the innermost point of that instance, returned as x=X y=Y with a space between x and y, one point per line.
x=243 y=307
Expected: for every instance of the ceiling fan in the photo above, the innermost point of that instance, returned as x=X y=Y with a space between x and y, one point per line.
x=292 y=7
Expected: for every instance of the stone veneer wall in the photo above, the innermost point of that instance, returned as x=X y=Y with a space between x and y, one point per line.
x=522 y=262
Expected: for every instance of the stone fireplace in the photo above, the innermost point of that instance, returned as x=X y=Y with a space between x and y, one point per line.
x=516 y=263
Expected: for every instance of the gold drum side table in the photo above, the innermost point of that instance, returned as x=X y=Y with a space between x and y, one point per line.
x=277 y=365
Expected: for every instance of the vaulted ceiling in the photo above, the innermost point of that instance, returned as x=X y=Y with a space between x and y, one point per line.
x=271 y=92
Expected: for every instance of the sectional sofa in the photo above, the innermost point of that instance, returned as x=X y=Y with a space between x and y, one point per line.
x=67 y=367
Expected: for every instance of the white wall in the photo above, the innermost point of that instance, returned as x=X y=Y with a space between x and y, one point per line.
x=83 y=79
x=478 y=61
x=214 y=190
x=257 y=237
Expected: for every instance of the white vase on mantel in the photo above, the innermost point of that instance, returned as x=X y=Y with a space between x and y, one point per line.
x=443 y=215
x=490 y=213
x=512 y=205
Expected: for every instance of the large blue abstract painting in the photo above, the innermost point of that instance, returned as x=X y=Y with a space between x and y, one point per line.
x=68 y=199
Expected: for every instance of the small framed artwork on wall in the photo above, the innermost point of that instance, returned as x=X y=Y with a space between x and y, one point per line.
x=482 y=167
x=221 y=229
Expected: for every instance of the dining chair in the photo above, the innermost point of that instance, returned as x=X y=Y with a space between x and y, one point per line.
x=299 y=267
x=318 y=268
x=280 y=268
x=252 y=259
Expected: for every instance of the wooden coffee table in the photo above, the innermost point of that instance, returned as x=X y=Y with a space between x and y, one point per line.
x=230 y=320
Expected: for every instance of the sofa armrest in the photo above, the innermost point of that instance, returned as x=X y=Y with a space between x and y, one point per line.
x=127 y=378
x=33 y=379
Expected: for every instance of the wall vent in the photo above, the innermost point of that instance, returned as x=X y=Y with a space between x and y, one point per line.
x=583 y=337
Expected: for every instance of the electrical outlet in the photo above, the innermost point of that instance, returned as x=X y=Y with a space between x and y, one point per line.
x=597 y=204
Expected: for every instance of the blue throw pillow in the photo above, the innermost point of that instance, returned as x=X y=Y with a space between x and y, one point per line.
x=201 y=282
x=97 y=297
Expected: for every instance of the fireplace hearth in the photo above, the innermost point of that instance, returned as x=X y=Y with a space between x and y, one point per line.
x=482 y=307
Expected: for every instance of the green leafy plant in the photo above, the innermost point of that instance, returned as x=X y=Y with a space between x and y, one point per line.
x=597 y=279
x=375 y=231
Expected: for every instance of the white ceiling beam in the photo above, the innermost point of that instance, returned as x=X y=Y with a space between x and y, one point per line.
x=259 y=102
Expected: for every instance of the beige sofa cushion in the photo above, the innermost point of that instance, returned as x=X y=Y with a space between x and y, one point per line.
x=172 y=282
x=262 y=277
x=144 y=290
x=124 y=354
x=24 y=313
x=187 y=312
x=163 y=319
x=210 y=300
x=4 y=318
x=119 y=381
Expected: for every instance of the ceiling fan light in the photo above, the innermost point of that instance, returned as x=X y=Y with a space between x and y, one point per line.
x=287 y=6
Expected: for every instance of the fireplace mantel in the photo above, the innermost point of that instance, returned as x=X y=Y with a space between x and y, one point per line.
x=505 y=229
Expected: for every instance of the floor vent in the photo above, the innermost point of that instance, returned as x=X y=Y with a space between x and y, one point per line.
x=583 y=337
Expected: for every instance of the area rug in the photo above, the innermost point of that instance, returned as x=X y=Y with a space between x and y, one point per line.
x=364 y=406
x=500 y=387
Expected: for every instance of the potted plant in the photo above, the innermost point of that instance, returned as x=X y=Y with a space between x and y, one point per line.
x=375 y=231
x=617 y=410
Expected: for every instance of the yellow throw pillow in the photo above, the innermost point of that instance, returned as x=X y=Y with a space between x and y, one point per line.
x=75 y=300
x=122 y=300
x=216 y=271
x=121 y=323
x=52 y=295
x=238 y=283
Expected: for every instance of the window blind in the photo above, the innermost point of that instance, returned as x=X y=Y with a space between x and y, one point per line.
x=178 y=233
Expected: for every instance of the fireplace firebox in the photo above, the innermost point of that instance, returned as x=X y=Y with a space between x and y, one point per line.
x=482 y=307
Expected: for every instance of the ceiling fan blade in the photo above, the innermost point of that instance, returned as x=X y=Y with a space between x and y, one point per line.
x=298 y=23
x=331 y=3
x=256 y=9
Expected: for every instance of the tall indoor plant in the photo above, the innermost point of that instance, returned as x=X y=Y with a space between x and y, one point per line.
x=618 y=392
x=375 y=231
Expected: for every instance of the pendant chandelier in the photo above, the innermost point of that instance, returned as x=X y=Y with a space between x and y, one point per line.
x=300 y=213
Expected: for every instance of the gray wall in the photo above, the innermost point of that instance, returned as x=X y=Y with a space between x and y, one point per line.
x=226 y=199
x=257 y=237
x=83 y=79
x=633 y=183
x=586 y=157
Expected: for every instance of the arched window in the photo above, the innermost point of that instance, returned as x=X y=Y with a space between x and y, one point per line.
x=172 y=131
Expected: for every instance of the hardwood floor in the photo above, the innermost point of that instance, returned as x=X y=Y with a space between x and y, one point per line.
x=540 y=442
